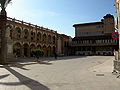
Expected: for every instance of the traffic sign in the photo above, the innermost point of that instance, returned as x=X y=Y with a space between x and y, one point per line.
x=115 y=35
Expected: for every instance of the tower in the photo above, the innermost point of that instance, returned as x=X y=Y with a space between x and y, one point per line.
x=108 y=24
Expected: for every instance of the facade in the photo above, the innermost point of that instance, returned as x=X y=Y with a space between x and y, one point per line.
x=95 y=38
x=22 y=37
x=63 y=44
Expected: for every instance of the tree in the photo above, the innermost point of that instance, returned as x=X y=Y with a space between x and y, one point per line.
x=4 y=3
x=3 y=20
x=37 y=53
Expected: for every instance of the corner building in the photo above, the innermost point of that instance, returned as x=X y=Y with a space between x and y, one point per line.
x=95 y=38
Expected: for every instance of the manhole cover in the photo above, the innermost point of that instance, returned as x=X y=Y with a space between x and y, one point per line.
x=99 y=74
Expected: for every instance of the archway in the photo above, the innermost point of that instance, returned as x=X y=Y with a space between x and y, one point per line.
x=53 y=39
x=32 y=46
x=26 y=46
x=39 y=37
x=26 y=34
x=44 y=38
x=17 y=49
x=18 y=31
x=45 y=51
x=49 y=38
x=49 y=51
x=38 y=46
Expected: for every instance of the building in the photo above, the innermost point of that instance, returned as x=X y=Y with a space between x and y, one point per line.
x=95 y=38
x=63 y=44
x=22 y=38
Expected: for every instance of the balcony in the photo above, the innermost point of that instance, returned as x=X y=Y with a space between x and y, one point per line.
x=94 y=43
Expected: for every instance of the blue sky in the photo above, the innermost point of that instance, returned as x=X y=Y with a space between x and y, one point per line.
x=60 y=15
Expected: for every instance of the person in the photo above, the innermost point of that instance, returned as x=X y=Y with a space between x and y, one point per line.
x=55 y=55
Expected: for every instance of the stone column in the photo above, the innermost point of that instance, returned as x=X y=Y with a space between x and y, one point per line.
x=22 y=50
x=9 y=45
x=29 y=37
x=3 y=53
x=29 y=51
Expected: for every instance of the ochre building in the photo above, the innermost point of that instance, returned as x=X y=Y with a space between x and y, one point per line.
x=95 y=38
x=22 y=38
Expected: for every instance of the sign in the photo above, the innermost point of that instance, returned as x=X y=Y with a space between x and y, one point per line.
x=115 y=35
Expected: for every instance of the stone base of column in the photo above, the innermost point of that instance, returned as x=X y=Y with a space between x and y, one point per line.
x=2 y=61
x=12 y=59
x=119 y=55
x=116 y=62
x=117 y=65
x=116 y=55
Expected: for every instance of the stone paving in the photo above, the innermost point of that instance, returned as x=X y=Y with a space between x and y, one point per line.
x=66 y=73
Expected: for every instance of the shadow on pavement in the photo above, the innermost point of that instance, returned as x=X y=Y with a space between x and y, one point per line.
x=21 y=65
x=47 y=59
x=3 y=76
x=30 y=83
x=67 y=58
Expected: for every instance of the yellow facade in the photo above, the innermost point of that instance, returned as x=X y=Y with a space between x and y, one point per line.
x=25 y=37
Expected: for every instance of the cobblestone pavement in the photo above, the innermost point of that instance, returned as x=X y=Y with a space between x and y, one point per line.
x=66 y=73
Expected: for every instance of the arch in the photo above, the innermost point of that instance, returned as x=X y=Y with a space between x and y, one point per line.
x=54 y=49
x=18 y=31
x=45 y=50
x=32 y=35
x=26 y=33
x=17 y=49
x=49 y=38
x=49 y=51
x=38 y=36
x=44 y=46
x=8 y=26
x=17 y=44
x=32 y=46
x=53 y=39
x=26 y=49
x=38 y=46
x=32 y=32
x=44 y=37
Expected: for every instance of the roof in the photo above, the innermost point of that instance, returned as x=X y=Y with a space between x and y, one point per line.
x=108 y=16
x=91 y=23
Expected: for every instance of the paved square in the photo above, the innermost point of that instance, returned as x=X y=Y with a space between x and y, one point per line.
x=66 y=73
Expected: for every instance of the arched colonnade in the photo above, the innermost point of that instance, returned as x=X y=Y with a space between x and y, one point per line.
x=24 y=50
